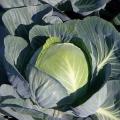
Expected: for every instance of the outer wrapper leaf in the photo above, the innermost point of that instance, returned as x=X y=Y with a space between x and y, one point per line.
x=88 y=6
x=18 y=21
x=98 y=94
x=64 y=31
x=110 y=110
x=102 y=41
x=8 y=96
x=18 y=3
x=12 y=105
x=13 y=47
x=41 y=83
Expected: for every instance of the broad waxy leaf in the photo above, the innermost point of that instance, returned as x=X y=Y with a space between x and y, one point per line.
x=18 y=21
x=110 y=110
x=97 y=95
x=24 y=109
x=63 y=31
x=17 y=3
x=13 y=105
x=19 y=17
x=13 y=47
x=86 y=7
x=102 y=41
x=9 y=98
x=41 y=83
x=92 y=104
x=7 y=90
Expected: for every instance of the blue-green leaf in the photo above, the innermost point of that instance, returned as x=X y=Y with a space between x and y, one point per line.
x=92 y=104
x=7 y=90
x=110 y=110
x=97 y=95
x=86 y=7
x=13 y=47
x=17 y=3
x=18 y=20
x=41 y=83
x=102 y=41
x=64 y=31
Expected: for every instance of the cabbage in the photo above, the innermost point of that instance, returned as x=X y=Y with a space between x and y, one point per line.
x=61 y=69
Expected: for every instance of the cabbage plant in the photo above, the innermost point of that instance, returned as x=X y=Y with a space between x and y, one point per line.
x=64 y=71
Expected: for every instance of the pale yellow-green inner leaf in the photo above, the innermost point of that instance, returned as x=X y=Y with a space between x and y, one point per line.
x=49 y=42
x=108 y=114
x=67 y=64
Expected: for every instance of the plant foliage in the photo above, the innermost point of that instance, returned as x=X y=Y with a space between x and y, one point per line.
x=56 y=68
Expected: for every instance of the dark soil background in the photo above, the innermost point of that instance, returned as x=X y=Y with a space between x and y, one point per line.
x=110 y=11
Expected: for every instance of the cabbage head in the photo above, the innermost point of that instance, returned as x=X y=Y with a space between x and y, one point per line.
x=64 y=71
